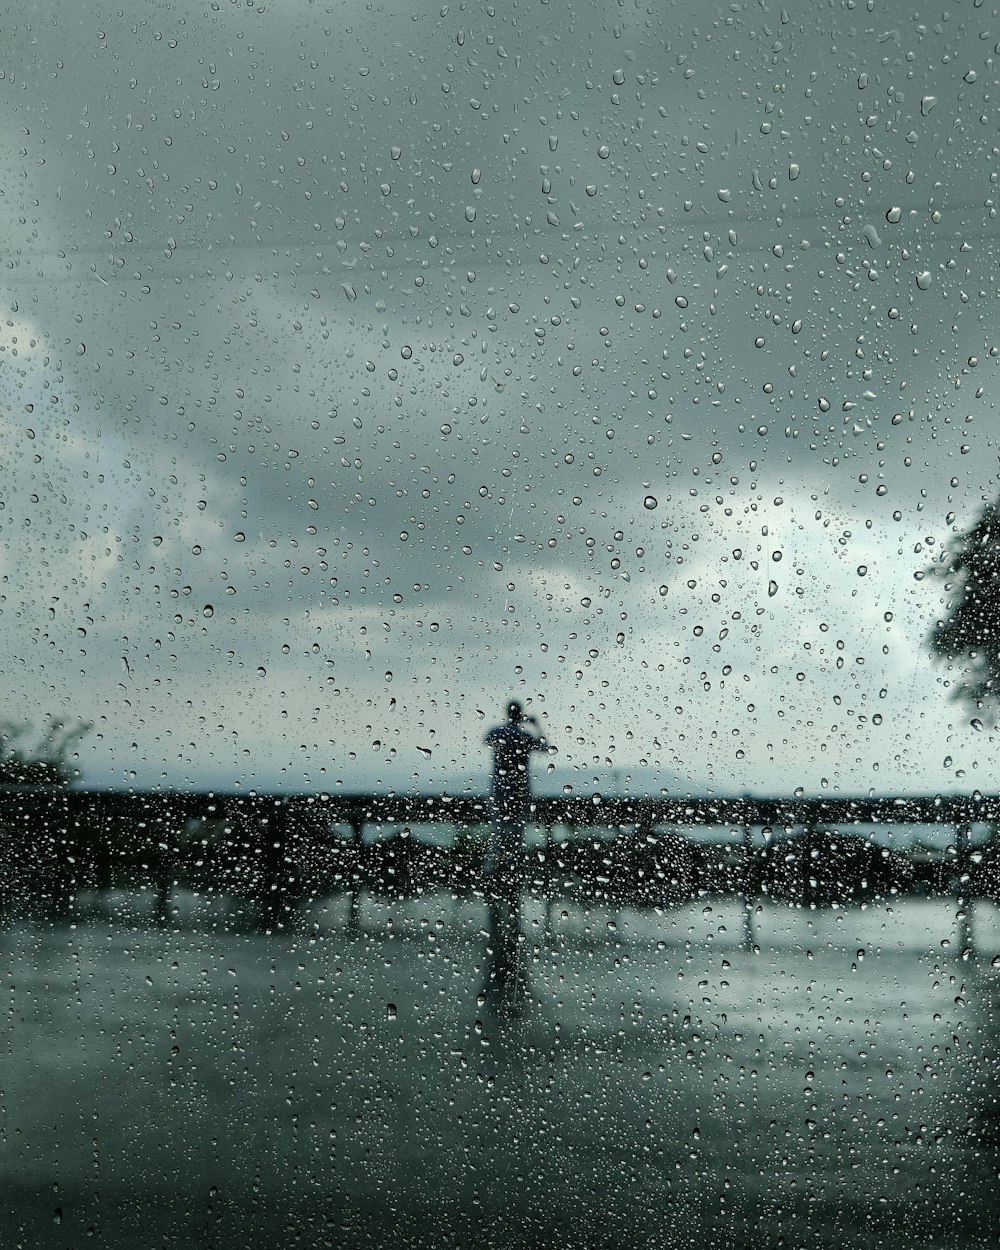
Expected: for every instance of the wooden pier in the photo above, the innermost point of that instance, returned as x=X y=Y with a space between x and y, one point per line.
x=56 y=844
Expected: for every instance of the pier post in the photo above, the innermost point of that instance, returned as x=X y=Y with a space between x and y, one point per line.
x=357 y=822
x=964 y=930
x=747 y=861
x=276 y=875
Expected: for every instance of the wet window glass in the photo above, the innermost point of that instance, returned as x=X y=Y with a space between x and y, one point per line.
x=500 y=564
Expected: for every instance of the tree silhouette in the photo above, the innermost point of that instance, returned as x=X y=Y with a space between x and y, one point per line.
x=970 y=630
x=39 y=763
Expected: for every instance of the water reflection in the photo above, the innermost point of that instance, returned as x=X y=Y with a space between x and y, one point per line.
x=506 y=961
x=981 y=1059
x=193 y=1085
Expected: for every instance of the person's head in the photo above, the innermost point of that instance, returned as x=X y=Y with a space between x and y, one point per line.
x=515 y=713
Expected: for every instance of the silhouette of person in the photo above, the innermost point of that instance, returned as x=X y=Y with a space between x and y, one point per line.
x=512 y=746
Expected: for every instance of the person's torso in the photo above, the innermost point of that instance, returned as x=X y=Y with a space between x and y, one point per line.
x=511 y=749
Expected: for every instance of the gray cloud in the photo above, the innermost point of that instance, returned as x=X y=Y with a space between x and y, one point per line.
x=333 y=329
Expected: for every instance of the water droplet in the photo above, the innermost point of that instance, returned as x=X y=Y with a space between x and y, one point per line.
x=470 y=212
x=208 y=610
x=862 y=570
x=390 y=1011
x=977 y=724
x=927 y=102
x=894 y=215
x=650 y=502
x=772 y=588
x=261 y=670
x=923 y=279
x=793 y=172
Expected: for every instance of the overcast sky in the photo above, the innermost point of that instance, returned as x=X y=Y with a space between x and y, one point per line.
x=362 y=367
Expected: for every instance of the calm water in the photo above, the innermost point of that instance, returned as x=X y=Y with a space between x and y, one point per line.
x=345 y=1085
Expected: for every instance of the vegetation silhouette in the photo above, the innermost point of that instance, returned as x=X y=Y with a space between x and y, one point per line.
x=33 y=854
x=43 y=761
x=969 y=632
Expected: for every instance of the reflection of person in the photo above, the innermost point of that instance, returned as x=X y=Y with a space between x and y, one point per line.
x=512 y=745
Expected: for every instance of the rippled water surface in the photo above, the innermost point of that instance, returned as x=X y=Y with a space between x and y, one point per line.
x=660 y=1081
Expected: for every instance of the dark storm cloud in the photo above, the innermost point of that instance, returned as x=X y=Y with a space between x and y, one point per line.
x=348 y=325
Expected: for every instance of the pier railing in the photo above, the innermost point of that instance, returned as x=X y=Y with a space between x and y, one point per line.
x=281 y=848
